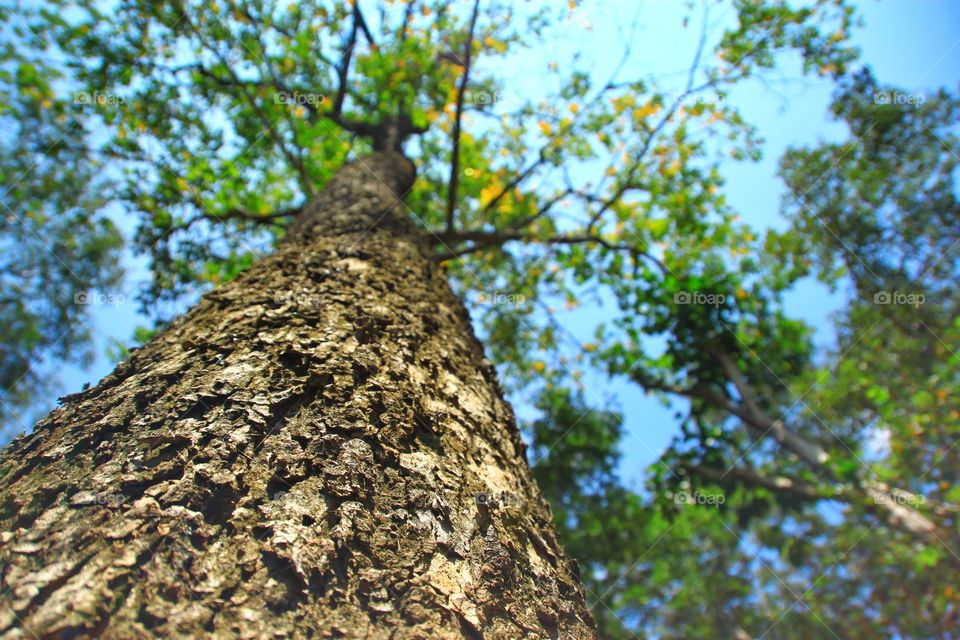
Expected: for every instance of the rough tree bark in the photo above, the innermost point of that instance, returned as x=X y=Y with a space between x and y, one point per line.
x=317 y=449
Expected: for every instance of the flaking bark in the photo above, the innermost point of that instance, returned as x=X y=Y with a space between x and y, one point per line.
x=317 y=449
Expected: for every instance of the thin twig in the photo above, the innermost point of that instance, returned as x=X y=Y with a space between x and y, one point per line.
x=455 y=160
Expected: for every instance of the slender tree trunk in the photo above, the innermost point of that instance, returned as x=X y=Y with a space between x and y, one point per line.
x=317 y=449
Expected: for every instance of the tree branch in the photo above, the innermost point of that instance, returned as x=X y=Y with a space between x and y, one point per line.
x=487 y=239
x=780 y=484
x=344 y=66
x=407 y=18
x=244 y=214
x=455 y=158
x=363 y=24
x=874 y=495
x=244 y=87
x=520 y=177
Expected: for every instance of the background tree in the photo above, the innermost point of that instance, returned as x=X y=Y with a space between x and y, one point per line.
x=57 y=246
x=800 y=550
x=889 y=390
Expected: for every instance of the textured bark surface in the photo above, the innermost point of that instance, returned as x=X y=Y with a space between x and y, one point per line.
x=317 y=449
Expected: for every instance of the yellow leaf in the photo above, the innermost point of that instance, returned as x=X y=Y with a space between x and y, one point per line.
x=545 y=127
x=488 y=193
x=497 y=45
x=590 y=347
x=574 y=108
x=648 y=109
x=539 y=367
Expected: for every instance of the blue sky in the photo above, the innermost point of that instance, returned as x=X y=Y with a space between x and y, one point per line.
x=914 y=44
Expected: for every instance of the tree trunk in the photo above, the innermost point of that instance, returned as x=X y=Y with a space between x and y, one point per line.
x=317 y=449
